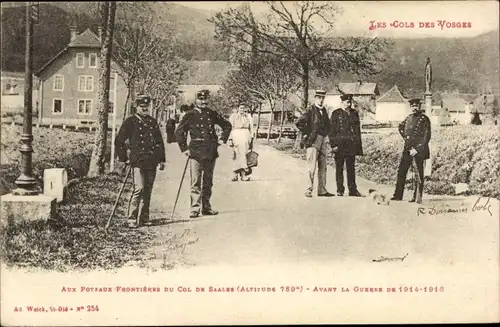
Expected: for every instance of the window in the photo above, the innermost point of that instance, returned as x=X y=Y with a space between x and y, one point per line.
x=111 y=107
x=57 y=108
x=84 y=106
x=93 y=60
x=58 y=83
x=10 y=89
x=85 y=83
x=80 y=60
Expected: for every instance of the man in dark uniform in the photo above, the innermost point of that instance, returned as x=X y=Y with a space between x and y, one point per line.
x=314 y=125
x=345 y=141
x=147 y=150
x=416 y=132
x=170 y=129
x=200 y=123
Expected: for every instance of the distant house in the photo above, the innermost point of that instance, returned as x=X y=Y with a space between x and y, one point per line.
x=458 y=109
x=69 y=84
x=486 y=105
x=12 y=97
x=201 y=75
x=392 y=106
x=364 y=95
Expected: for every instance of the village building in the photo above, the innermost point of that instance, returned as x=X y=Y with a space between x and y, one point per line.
x=12 y=96
x=364 y=97
x=392 y=107
x=69 y=84
x=486 y=106
x=458 y=109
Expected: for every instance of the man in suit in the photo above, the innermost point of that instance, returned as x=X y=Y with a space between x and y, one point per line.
x=345 y=141
x=200 y=123
x=416 y=132
x=314 y=126
x=147 y=151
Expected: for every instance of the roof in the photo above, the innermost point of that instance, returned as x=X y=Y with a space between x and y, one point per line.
x=393 y=95
x=87 y=39
x=359 y=88
x=485 y=103
x=205 y=72
x=453 y=104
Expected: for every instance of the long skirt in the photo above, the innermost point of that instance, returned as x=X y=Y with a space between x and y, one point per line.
x=241 y=141
x=171 y=135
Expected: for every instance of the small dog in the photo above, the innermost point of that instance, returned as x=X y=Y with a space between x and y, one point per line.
x=378 y=198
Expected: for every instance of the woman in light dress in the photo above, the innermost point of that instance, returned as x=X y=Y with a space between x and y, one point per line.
x=240 y=139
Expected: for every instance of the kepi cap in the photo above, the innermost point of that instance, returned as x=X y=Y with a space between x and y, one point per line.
x=143 y=100
x=415 y=102
x=203 y=94
x=345 y=97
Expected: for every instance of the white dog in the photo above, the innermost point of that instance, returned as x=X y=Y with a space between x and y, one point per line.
x=378 y=198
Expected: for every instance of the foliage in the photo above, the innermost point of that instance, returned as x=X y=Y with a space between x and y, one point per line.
x=298 y=32
x=76 y=240
x=73 y=151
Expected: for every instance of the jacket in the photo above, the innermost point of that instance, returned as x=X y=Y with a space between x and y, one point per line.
x=146 y=145
x=312 y=123
x=416 y=132
x=200 y=123
x=345 y=132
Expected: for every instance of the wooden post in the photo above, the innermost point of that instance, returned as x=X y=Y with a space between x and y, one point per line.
x=113 y=131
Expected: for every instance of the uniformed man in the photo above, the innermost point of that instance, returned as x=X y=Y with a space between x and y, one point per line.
x=416 y=132
x=170 y=129
x=314 y=126
x=345 y=141
x=147 y=151
x=200 y=123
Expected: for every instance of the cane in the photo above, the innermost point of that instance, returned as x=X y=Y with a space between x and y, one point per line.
x=179 y=191
x=129 y=169
x=417 y=181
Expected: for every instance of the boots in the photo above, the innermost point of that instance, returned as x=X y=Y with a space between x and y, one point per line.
x=243 y=176
x=235 y=177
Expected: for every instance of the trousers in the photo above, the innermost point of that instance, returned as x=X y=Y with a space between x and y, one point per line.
x=349 y=161
x=202 y=173
x=143 y=180
x=316 y=157
x=404 y=165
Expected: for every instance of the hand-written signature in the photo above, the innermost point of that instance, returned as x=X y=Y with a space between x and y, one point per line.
x=178 y=241
x=434 y=210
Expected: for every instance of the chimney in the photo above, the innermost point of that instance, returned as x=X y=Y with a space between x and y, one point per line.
x=99 y=33
x=73 y=30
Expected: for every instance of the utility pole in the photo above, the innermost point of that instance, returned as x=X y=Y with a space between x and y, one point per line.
x=26 y=183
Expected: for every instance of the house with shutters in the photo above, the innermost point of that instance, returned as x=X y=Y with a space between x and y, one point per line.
x=69 y=84
x=364 y=96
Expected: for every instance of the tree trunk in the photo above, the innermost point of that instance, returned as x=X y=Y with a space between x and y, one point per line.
x=270 y=121
x=305 y=100
x=258 y=121
x=282 y=118
x=97 y=161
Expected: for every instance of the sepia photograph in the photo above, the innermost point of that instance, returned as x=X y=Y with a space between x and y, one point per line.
x=249 y=162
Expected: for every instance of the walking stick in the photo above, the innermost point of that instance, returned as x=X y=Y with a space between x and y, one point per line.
x=129 y=169
x=180 y=186
x=418 y=182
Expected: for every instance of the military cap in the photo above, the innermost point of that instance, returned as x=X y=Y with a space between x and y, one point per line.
x=415 y=102
x=320 y=93
x=203 y=94
x=345 y=97
x=143 y=100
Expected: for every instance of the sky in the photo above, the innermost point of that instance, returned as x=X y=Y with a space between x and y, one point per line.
x=479 y=17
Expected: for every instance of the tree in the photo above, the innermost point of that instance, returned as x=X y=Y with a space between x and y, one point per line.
x=264 y=78
x=300 y=32
x=107 y=11
x=135 y=43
